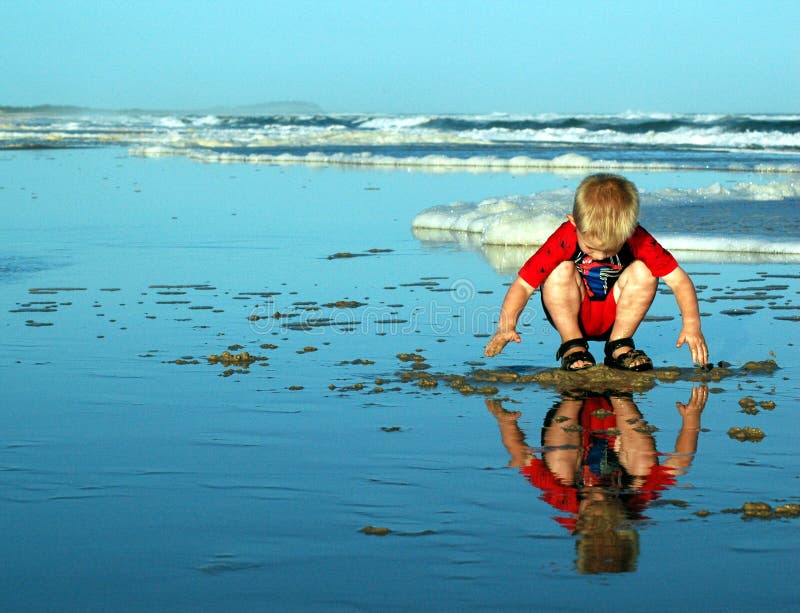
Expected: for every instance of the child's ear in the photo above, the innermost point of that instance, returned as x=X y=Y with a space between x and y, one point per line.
x=571 y=219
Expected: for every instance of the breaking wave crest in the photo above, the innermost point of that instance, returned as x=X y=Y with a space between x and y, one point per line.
x=518 y=163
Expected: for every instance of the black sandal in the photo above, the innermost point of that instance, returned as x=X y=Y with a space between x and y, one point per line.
x=578 y=356
x=627 y=360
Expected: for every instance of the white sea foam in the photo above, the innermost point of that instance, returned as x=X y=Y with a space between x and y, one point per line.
x=762 y=192
x=384 y=131
x=508 y=259
x=529 y=220
x=733 y=244
x=707 y=137
x=170 y=122
x=394 y=122
x=206 y=120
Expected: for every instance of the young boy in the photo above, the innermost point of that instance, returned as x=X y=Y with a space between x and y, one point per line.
x=598 y=273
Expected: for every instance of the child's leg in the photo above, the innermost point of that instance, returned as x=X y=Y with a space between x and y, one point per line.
x=634 y=292
x=637 y=449
x=564 y=449
x=562 y=294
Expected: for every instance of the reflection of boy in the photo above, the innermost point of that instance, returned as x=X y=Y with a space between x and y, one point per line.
x=599 y=272
x=598 y=467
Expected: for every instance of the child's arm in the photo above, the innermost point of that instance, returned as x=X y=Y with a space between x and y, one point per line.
x=516 y=298
x=686 y=444
x=683 y=289
x=513 y=438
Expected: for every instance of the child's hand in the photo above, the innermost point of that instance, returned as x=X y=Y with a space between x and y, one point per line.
x=697 y=344
x=495 y=407
x=696 y=404
x=499 y=341
x=691 y=411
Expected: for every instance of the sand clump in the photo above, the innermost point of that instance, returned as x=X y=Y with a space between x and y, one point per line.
x=764 y=510
x=235 y=363
x=751 y=406
x=185 y=360
x=344 y=304
x=227 y=358
x=482 y=381
x=747 y=433
x=764 y=366
x=345 y=255
x=599 y=378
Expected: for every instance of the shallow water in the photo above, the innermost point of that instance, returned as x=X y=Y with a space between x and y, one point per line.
x=130 y=481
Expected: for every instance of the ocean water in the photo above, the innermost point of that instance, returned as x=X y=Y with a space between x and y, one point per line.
x=136 y=474
x=736 y=193
x=631 y=141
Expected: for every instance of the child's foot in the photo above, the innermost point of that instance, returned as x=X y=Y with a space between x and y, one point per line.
x=574 y=355
x=623 y=355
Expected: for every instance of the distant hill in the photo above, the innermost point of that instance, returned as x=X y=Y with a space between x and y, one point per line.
x=44 y=109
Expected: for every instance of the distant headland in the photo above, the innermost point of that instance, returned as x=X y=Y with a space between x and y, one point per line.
x=279 y=107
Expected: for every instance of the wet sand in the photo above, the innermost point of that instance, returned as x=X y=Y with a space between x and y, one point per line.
x=213 y=400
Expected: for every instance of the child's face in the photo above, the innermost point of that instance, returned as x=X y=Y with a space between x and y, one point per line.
x=592 y=247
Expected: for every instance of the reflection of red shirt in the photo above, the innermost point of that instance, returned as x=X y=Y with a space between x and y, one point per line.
x=598 y=275
x=564 y=496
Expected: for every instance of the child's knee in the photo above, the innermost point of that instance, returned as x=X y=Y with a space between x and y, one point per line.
x=638 y=274
x=565 y=272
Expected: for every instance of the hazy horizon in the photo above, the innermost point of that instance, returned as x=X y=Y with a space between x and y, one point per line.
x=357 y=56
x=310 y=107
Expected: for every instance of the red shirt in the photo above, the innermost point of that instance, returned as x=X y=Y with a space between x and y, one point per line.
x=598 y=276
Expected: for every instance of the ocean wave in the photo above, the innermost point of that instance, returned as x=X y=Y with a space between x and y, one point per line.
x=395 y=123
x=630 y=129
x=207 y=120
x=216 y=152
x=380 y=131
x=648 y=136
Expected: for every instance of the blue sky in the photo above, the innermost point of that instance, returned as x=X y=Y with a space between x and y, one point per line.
x=407 y=56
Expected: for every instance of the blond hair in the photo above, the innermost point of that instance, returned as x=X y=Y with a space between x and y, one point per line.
x=607 y=209
x=607 y=541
